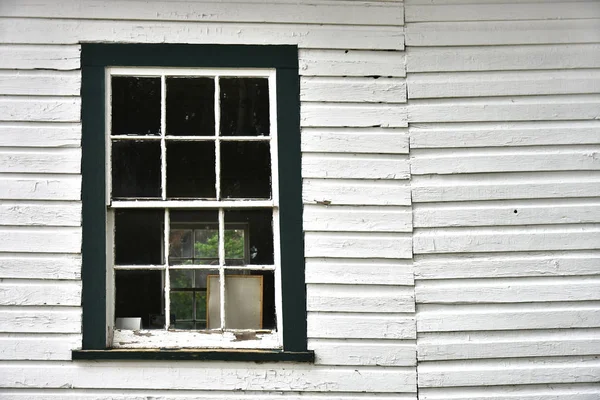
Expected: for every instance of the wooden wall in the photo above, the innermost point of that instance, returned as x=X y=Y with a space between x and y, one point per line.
x=354 y=137
x=504 y=106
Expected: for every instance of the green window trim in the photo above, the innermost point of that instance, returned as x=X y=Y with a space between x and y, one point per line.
x=95 y=57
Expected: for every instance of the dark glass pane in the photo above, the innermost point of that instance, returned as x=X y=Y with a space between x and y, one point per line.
x=245 y=170
x=188 y=298
x=191 y=169
x=194 y=237
x=140 y=294
x=244 y=106
x=135 y=106
x=190 y=106
x=138 y=237
x=258 y=226
x=135 y=168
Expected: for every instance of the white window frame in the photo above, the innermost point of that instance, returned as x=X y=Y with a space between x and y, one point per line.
x=166 y=338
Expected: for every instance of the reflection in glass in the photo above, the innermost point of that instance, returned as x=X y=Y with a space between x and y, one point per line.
x=139 y=294
x=190 y=106
x=139 y=237
x=135 y=106
x=258 y=236
x=244 y=106
x=245 y=170
x=188 y=298
x=135 y=168
x=191 y=170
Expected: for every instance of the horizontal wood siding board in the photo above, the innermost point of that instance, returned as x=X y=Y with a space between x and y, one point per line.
x=357 y=271
x=40 y=320
x=220 y=376
x=500 y=12
x=347 y=90
x=360 y=63
x=41 y=187
x=355 y=140
x=353 y=192
x=40 y=83
x=357 y=219
x=50 y=57
x=40 y=109
x=503 y=58
x=353 y=115
x=332 y=12
x=40 y=240
x=336 y=244
x=24 y=293
x=474 y=33
x=40 y=266
x=363 y=352
x=68 y=31
x=32 y=134
x=353 y=166
x=40 y=214
x=59 y=161
x=360 y=326
x=41 y=347
x=359 y=298
x=504 y=134
x=506 y=265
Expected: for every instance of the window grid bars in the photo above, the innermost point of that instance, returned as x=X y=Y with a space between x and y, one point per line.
x=221 y=210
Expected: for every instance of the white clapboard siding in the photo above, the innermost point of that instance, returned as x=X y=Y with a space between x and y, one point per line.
x=320 y=62
x=355 y=140
x=364 y=90
x=40 y=134
x=353 y=115
x=534 y=343
x=506 y=83
x=552 y=391
x=436 y=188
x=42 y=214
x=510 y=372
x=167 y=394
x=19 y=346
x=504 y=134
x=329 y=12
x=359 y=298
x=66 y=161
x=530 y=108
x=363 y=352
x=40 y=240
x=40 y=109
x=39 y=293
x=535 y=212
x=460 y=161
x=41 y=266
x=55 y=57
x=532 y=238
x=485 y=317
x=364 y=272
x=352 y=166
x=72 y=31
x=356 y=219
x=361 y=326
x=508 y=290
x=40 y=187
x=438 y=12
x=357 y=245
x=356 y=192
x=473 y=33
x=40 y=83
x=507 y=265
x=221 y=376
x=503 y=58
x=45 y=319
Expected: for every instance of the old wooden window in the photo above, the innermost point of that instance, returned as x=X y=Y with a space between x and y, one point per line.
x=200 y=246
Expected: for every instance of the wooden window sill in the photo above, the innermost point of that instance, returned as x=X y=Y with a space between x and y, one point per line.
x=195 y=355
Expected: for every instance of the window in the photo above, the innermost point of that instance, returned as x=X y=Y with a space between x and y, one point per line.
x=189 y=240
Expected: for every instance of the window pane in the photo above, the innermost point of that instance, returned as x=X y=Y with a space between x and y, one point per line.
x=188 y=298
x=197 y=232
x=190 y=106
x=139 y=294
x=259 y=241
x=245 y=170
x=135 y=168
x=244 y=106
x=135 y=106
x=249 y=300
x=139 y=237
x=191 y=170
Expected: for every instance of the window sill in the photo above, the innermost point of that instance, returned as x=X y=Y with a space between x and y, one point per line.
x=195 y=355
